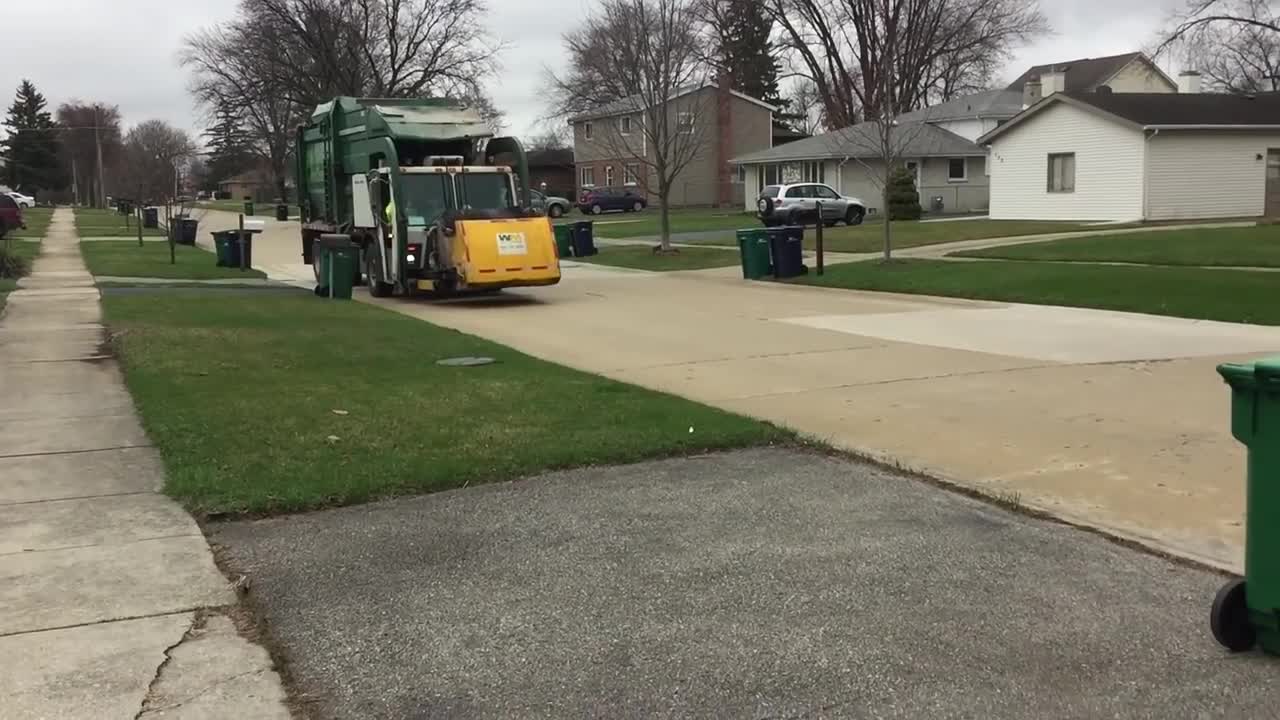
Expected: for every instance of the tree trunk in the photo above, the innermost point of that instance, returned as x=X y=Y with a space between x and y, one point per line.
x=664 y=214
x=888 y=242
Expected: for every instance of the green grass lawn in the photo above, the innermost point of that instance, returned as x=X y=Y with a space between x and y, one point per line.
x=263 y=403
x=37 y=220
x=25 y=249
x=641 y=257
x=647 y=222
x=1243 y=247
x=94 y=222
x=123 y=258
x=1228 y=295
x=869 y=237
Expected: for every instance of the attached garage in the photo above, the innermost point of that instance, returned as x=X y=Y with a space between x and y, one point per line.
x=1138 y=156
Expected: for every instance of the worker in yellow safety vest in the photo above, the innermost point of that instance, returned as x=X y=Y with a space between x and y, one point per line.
x=391 y=213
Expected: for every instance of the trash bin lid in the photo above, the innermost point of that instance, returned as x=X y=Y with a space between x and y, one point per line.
x=1249 y=375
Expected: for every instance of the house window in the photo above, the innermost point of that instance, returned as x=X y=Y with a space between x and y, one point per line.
x=684 y=122
x=815 y=172
x=586 y=130
x=631 y=174
x=1062 y=172
x=608 y=175
x=588 y=176
x=740 y=175
x=626 y=125
x=957 y=170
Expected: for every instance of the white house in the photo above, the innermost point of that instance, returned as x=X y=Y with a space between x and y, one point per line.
x=1138 y=156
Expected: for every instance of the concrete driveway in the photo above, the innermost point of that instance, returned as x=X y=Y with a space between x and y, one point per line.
x=1113 y=420
x=758 y=584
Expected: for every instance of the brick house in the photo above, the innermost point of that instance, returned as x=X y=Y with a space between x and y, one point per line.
x=721 y=123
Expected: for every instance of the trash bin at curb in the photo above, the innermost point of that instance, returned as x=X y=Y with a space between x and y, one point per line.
x=753 y=249
x=564 y=240
x=339 y=258
x=226 y=248
x=786 y=245
x=150 y=218
x=248 y=207
x=584 y=239
x=187 y=229
x=282 y=212
x=1246 y=613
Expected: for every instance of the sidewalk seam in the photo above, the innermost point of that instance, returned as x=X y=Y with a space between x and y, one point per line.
x=75 y=452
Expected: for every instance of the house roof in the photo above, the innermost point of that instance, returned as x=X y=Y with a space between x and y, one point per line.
x=1085 y=74
x=635 y=103
x=917 y=139
x=551 y=157
x=985 y=104
x=1166 y=111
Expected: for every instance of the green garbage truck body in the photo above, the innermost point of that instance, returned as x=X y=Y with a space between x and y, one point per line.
x=401 y=177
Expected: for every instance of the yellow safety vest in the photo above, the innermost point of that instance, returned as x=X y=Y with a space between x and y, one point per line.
x=391 y=212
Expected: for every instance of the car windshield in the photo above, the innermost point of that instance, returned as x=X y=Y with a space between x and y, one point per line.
x=426 y=197
x=484 y=191
x=770 y=191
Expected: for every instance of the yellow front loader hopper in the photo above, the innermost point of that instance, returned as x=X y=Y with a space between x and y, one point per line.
x=492 y=254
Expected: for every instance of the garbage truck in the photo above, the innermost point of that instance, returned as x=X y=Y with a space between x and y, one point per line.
x=425 y=193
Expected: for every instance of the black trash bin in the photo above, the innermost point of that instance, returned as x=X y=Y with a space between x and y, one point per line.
x=282 y=212
x=786 y=244
x=243 y=252
x=187 y=228
x=584 y=239
x=150 y=217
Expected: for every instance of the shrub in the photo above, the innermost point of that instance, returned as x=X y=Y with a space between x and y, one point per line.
x=13 y=265
x=903 y=199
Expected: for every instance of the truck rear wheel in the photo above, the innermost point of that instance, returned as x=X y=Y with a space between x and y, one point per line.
x=373 y=268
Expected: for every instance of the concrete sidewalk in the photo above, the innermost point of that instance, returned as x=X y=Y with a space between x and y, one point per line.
x=113 y=607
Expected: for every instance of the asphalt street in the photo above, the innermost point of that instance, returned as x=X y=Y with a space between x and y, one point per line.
x=756 y=584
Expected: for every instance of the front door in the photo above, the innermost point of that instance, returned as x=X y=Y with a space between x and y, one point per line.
x=1273 y=183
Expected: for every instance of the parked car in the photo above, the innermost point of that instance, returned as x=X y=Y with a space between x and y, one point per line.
x=550 y=205
x=10 y=214
x=597 y=200
x=25 y=201
x=797 y=204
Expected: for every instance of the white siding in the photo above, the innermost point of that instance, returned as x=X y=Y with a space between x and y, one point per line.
x=1203 y=174
x=750 y=188
x=1109 y=163
x=1139 y=77
x=968 y=128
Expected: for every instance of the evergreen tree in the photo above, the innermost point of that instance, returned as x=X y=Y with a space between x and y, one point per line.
x=745 y=51
x=31 y=148
x=229 y=151
x=902 y=197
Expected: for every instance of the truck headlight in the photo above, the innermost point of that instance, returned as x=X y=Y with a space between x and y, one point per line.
x=412 y=258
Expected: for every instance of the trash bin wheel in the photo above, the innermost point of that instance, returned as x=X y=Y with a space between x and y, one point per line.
x=373 y=268
x=1229 y=618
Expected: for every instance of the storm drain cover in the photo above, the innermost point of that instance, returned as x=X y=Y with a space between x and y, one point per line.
x=465 y=361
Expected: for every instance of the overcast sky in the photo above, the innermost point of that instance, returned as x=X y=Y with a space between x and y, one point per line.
x=124 y=51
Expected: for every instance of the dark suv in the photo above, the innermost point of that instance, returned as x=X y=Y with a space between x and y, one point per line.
x=10 y=215
x=597 y=200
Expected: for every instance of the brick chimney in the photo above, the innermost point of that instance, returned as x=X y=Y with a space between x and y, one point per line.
x=724 y=139
x=1030 y=92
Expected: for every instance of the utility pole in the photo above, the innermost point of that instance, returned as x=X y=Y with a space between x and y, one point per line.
x=97 y=142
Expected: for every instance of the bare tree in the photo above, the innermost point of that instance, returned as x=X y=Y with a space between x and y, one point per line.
x=91 y=143
x=155 y=154
x=661 y=128
x=1235 y=44
x=804 y=108
x=940 y=49
x=553 y=138
x=599 y=50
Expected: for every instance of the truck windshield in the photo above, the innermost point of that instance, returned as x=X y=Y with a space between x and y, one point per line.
x=484 y=191
x=426 y=197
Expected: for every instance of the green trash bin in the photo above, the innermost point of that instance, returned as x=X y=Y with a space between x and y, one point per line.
x=248 y=207
x=1246 y=613
x=564 y=240
x=339 y=258
x=753 y=247
x=226 y=249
